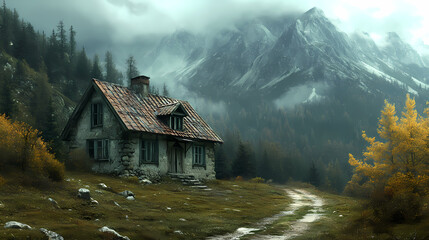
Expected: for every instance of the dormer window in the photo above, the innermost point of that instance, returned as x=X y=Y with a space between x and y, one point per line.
x=173 y=115
x=176 y=122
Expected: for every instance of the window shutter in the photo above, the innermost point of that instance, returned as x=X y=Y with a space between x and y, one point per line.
x=100 y=113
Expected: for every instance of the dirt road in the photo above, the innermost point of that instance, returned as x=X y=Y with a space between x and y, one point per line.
x=300 y=198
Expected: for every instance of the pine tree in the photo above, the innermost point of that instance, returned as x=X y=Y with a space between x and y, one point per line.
x=165 y=91
x=132 y=70
x=96 y=71
x=314 y=175
x=72 y=49
x=112 y=75
x=244 y=162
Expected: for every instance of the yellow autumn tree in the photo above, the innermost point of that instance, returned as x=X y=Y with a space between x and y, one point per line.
x=394 y=172
x=22 y=148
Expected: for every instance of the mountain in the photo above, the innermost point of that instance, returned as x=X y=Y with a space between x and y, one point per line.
x=257 y=58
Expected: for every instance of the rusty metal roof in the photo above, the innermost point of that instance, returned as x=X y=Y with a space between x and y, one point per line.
x=140 y=114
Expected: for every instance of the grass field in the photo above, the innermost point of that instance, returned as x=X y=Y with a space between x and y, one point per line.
x=167 y=210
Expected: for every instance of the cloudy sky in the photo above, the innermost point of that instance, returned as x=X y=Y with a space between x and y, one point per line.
x=116 y=24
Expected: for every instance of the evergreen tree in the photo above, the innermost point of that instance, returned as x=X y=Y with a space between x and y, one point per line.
x=62 y=39
x=165 y=91
x=314 y=175
x=72 y=49
x=244 y=162
x=96 y=71
x=132 y=70
x=112 y=75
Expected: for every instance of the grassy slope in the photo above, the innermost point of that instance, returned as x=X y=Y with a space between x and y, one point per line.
x=343 y=219
x=156 y=212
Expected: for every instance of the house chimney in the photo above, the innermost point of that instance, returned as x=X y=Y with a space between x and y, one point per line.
x=140 y=85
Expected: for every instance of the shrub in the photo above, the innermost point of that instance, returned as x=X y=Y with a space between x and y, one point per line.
x=257 y=180
x=239 y=178
x=23 y=148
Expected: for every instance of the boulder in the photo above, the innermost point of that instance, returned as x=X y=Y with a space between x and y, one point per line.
x=126 y=193
x=51 y=235
x=130 y=198
x=84 y=194
x=113 y=233
x=18 y=225
x=145 y=181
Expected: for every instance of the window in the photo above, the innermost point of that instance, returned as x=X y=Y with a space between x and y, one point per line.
x=98 y=149
x=176 y=122
x=198 y=155
x=96 y=115
x=148 y=152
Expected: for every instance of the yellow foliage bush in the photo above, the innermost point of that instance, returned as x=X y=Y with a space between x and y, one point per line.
x=394 y=173
x=257 y=180
x=23 y=148
x=239 y=178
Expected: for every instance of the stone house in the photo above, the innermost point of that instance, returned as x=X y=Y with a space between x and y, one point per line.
x=130 y=131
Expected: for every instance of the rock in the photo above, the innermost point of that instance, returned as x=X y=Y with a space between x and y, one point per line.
x=84 y=194
x=182 y=219
x=93 y=201
x=1 y=205
x=51 y=235
x=126 y=193
x=113 y=233
x=145 y=181
x=18 y=225
x=117 y=204
x=98 y=191
x=178 y=232
x=130 y=198
x=102 y=186
x=54 y=202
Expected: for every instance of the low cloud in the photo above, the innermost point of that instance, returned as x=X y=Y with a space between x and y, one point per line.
x=301 y=94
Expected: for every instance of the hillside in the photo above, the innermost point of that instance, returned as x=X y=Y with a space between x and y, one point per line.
x=295 y=87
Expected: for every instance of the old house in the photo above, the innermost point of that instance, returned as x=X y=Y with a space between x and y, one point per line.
x=129 y=130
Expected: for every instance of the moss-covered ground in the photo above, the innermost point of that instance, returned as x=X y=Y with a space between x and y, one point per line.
x=167 y=210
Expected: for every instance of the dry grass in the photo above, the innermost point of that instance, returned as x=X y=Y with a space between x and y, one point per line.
x=159 y=211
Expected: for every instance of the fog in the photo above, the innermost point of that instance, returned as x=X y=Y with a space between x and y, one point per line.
x=134 y=26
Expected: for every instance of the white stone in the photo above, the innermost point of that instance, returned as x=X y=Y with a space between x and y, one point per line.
x=84 y=193
x=126 y=193
x=145 y=181
x=102 y=185
x=182 y=219
x=93 y=201
x=113 y=232
x=130 y=198
x=51 y=235
x=178 y=232
x=14 y=224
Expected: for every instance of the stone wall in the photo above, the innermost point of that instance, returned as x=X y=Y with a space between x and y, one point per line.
x=124 y=148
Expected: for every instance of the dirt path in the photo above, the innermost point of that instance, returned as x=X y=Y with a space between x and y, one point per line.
x=301 y=198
